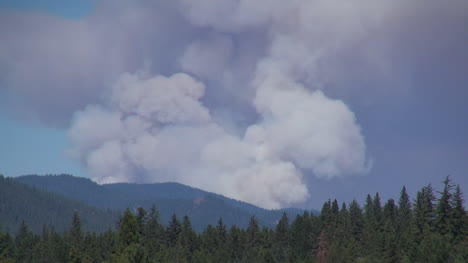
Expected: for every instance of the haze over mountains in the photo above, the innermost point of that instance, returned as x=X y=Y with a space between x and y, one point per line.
x=51 y=200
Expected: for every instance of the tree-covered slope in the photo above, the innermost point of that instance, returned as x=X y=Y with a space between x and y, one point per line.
x=20 y=202
x=202 y=207
x=432 y=228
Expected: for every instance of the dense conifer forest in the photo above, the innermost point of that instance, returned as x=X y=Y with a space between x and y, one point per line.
x=20 y=202
x=430 y=228
x=52 y=199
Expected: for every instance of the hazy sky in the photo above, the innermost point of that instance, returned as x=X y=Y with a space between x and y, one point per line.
x=277 y=103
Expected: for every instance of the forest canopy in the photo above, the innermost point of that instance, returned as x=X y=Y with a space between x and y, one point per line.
x=425 y=229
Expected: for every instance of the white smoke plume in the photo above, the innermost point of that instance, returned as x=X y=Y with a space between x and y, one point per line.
x=232 y=96
x=156 y=129
x=152 y=128
x=247 y=98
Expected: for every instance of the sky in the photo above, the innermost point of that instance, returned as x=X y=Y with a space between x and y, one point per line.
x=280 y=104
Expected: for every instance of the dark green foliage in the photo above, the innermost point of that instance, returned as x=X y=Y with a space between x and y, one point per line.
x=128 y=230
x=282 y=239
x=76 y=232
x=389 y=249
x=404 y=224
x=187 y=242
x=202 y=207
x=459 y=226
x=322 y=250
x=24 y=244
x=424 y=211
x=141 y=218
x=356 y=221
x=153 y=236
x=75 y=240
x=7 y=247
x=396 y=232
x=20 y=202
x=444 y=208
x=173 y=231
x=253 y=233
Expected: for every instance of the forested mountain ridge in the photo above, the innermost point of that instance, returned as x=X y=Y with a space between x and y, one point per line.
x=430 y=228
x=202 y=207
x=20 y=202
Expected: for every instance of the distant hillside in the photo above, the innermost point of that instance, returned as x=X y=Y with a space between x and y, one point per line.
x=202 y=207
x=20 y=202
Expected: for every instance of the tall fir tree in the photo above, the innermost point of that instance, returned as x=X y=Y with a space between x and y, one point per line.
x=236 y=243
x=24 y=244
x=459 y=228
x=173 y=231
x=141 y=218
x=282 y=238
x=253 y=233
x=356 y=227
x=444 y=208
x=153 y=237
x=404 y=224
x=322 y=251
x=424 y=214
x=76 y=239
x=128 y=230
x=390 y=252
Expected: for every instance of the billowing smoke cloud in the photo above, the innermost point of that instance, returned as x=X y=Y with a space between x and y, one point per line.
x=229 y=96
x=154 y=128
x=160 y=130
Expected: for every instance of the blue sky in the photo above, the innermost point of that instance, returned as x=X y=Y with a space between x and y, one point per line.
x=69 y=9
x=31 y=148
x=400 y=72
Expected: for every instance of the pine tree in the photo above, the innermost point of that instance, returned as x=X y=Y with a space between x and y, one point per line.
x=108 y=243
x=76 y=240
x=356 y=220
x=444 y=208
x=282 y=230
x=369 y=209
x=253 y=233
x=377 y=213
x=154 y=232
x=209 y=240
x=424 y=211
x=24 y=244
x=7 y=247
x=235 y=243
x=141 y=218
x=221 y=232
x=344 y=226
x=459 y=226
x=188 y=239
x=326 y=215
x=373 y=227
x=76 y=231
x=128 y=232
x=173 y=231
x=282 y=238
x=91 y=248
x=356 y=228
x=404 y=223
x=333 y=224
x=322 y=251
x=389 y=246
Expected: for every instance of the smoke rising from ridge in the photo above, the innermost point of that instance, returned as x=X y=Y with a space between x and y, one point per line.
x=229 y=96
x=167 y=134
x=155 y=128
